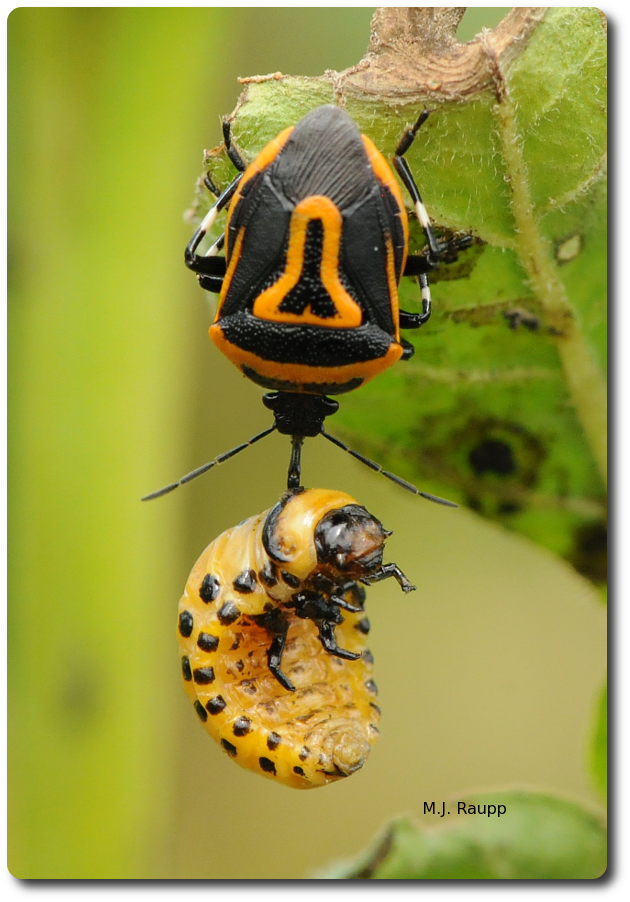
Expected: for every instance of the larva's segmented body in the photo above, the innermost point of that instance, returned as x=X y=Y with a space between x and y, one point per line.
x=278 y=677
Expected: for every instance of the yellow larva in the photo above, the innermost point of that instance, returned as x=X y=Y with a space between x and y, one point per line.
x=276 y=674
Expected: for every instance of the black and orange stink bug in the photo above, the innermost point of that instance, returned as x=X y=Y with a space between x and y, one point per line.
x=316 y=243
x=277 y=675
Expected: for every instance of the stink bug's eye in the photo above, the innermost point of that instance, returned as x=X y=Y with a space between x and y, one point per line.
x=275 y=672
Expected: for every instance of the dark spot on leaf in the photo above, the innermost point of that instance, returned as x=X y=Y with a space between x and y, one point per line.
x=492 y=456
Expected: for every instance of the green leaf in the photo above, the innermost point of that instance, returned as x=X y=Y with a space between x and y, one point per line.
x=599 y=747
x=537 y=837
x=503 y=406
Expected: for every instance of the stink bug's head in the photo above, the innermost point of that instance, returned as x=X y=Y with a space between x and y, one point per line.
x=350 y=541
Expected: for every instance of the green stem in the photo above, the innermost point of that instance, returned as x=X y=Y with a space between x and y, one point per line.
x=584 y=378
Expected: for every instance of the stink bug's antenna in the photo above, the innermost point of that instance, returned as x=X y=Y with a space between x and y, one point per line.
x=300 y=416
x=204 y=469
x=377 y=468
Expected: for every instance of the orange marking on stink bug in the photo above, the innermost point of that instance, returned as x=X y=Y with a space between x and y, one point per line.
x=393 y=287
x=266 y=156
x=297 y=374
x=227 y=281
x=267 y=305
x=384 y=174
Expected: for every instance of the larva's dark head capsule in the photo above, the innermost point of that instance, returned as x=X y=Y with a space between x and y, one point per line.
x=350 y=541
x=319 y=530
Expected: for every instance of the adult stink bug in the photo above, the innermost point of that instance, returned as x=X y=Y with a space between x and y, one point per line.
x=316 y=243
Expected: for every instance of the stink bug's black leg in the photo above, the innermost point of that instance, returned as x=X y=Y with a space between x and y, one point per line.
x=212 y=188
x=232 y=152
x=419 y=266
x=415 y=320
x=403 y=170
x=378 y=469
x=390 y=570
x=203 y=264
x=217 y=246
x=204 y=469
x=436 y=251
x=210 y=270
x=213 y=283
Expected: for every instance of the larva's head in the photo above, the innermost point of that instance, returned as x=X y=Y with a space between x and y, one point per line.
x=350 y=541
x=320 y=529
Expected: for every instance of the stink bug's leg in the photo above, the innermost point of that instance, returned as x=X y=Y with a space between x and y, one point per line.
x=213 y=282
x=212 y=188
x=295 y=465
x=419 y=266
x=204 y=469
x=191 y=259
x=217 y=246
x=390 y=570
x=328 y=640
x=415 y=320
x=378 y=469
x=232 y=152
x=403 y=170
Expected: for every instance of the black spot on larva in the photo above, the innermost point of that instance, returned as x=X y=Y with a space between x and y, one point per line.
x=492 y=456
x=236 y=642
x=186 y=671
x=368 y=657
x=229 y=748
x=273 y=741
x=304 y=753
x=375 y=729
x=268 y=576
x=363 y=626
x=204 y=675
x=371 y=686
x=228 y=613
x=207 y=642
x=199 y=708
x=240 y=666
x=245 y=582
x=298 y=770
x=242 y=726
x=248 y=686
x=290 y=580
x=209 y=588
x=267 y=765
x=376 y=707
x=215 y=705
x=186 y=624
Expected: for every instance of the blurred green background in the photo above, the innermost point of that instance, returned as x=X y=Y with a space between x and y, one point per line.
x=488 y=674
